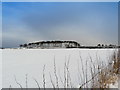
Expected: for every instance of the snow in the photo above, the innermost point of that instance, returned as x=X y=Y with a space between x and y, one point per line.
x=119 y=82
x=0 y=68
x=114 y=85
x=19 y=62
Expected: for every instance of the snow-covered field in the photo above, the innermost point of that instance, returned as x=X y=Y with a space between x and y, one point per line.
x=0 y=69
x=21 y=62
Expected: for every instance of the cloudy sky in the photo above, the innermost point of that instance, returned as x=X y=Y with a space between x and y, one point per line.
x=0 y=24
x=88 y=23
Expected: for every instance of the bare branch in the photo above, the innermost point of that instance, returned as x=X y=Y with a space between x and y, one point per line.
x=52 y=81
x=44 y=77
x=37 y=83
x=57 y=84
x=26 y=82
x=18 y=82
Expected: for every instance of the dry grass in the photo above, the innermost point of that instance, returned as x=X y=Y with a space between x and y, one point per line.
x=116 y=65
x=105 y=78
x=109 y=75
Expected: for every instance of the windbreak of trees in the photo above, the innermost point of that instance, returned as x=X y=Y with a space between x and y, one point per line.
x=104 y=45
x=55 y=43
x=63 y=44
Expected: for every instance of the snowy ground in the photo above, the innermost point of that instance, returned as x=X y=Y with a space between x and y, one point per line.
x=0 y=68
x=19 y=62
x=115 y=85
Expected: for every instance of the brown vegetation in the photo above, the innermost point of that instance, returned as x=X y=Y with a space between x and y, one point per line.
x=109 y=75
